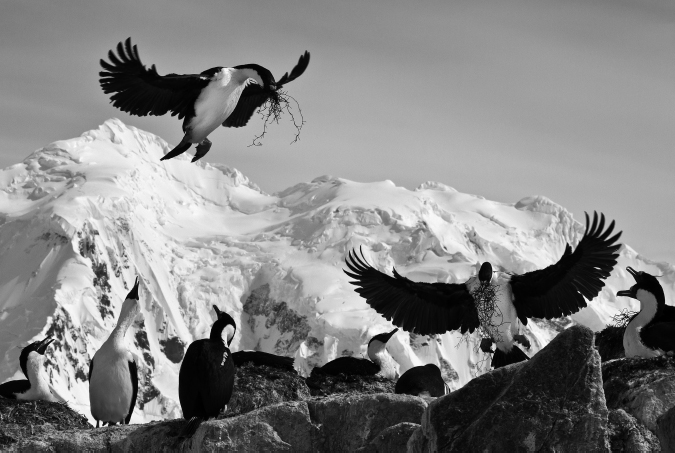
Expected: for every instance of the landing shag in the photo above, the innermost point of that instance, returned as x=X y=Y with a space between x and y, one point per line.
x=434 y=308
x=423 y=380
x=36 y=387
x=651 y=333
x=380 y=361
x=113 y=374
x=206 y=377
x=220 y=95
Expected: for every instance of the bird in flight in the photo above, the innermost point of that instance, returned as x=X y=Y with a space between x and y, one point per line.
x=220 y=95
x=496 y=302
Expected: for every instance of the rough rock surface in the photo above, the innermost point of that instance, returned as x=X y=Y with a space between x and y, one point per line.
x=666 y=430
x=553 y=402
x=339 y=423
x=609 y=343
x=326 y=384
x=644 y=388
x=393 y=439
x=628 y=434
x=257 y=386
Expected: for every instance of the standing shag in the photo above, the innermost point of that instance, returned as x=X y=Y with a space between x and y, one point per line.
x=206 y=377
x=380 y=361
x=36 y=386
x=227 y=96
x=495 y=303
x=113 y=375
x=651 y=333
x=423 y=380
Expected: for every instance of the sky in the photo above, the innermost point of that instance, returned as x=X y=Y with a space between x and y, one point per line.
x=570 y=99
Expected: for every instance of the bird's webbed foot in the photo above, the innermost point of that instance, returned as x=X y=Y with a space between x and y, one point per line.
x=203 y=148
x=486 y=345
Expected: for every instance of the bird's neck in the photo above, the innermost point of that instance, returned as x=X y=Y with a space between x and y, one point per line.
x=127 y=315
x=377 y=352
x=38 y=378
x=632 y=342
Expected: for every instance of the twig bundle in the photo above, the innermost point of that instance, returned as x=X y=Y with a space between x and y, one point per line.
x=485 y=296
x=622 y=318
x=271 y=111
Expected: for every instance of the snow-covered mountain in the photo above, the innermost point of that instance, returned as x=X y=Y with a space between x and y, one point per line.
x=80 y=218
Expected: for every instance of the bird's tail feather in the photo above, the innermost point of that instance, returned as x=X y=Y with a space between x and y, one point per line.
x=501 y=358
x=191 y=427
x=183 y=146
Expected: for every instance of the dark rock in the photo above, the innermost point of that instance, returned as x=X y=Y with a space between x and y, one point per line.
x=257 y=386
x=666 y=430
x=553 y=402
x=173 y=349
x=645 y=388
x=628 y=434
x=351 y=422
x=392 y=440
x=326 y=384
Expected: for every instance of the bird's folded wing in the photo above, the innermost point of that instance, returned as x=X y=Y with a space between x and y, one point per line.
x=141 y=91
x=562 y=288
x=12 y=388
x=422 y=308
x=133 y=373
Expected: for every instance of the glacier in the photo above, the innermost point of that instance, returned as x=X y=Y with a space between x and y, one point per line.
x=81 y=218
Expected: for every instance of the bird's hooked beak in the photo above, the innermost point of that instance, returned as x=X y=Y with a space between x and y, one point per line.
x=218 y=312
x=632 y=292
x=44 y=344
x=389 y=335
x=133 y=294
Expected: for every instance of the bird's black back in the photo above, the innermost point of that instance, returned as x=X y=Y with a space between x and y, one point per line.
x=12 y=388
x=206 y=379
x=421 y=379
x=348 y=365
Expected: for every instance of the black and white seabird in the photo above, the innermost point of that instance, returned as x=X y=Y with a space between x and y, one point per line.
x=227 y=96
x=36 y=387
x=651 y=333
x=423 y=380
x=434 y=308
x=206 y=377
x=264 y=358
x=381 y=362
x=113 y=374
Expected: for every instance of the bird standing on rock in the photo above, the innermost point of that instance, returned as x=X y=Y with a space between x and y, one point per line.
x=36 y=387
x=651 y=332
x=496 y=302
x=113 y=374
x=206 y=377
x=380 y=361
x=220 y=95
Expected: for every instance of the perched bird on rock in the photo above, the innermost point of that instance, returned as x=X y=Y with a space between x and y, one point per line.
x=36 y=387
x=206 y=377
x=423 y=380
x=113 y=374
x=380 y=361
x=651 y=332
x=496 y=302
x=220 y=95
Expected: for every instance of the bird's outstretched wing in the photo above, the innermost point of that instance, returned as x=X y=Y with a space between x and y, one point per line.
x=422 y=308
x=254 y=96
x=562 y=288
x=141 y=91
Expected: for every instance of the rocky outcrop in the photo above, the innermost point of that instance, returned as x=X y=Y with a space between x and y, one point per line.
x=553 y=402
x=628 y=434
x=335 y=424
x=328 y=384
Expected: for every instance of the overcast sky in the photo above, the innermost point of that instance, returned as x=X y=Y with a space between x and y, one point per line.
x=574 y=100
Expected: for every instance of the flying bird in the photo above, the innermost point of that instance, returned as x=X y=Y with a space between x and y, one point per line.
x=497 y=302
x=36 y=387
x=206 y=377
x=220 y=95
x=651 y=332
x=380 y=361
x=113 y=374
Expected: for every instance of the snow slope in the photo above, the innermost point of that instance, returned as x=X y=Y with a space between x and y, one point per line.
x=80 y=218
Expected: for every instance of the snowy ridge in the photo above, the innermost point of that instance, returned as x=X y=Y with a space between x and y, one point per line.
x=81 y=218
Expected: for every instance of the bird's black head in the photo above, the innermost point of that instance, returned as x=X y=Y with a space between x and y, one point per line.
x=133 y=294
x=645 y=282
x=224 y=327
x=485 y=272
x=264 y=74
x=383 y=337
x=38 y=347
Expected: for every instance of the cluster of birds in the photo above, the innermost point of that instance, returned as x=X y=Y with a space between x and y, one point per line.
x=496 y=303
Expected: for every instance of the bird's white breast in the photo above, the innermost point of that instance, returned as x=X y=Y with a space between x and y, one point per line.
x=110 y=386
x=632 y=343
x=215 y=103
x=39 y=387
